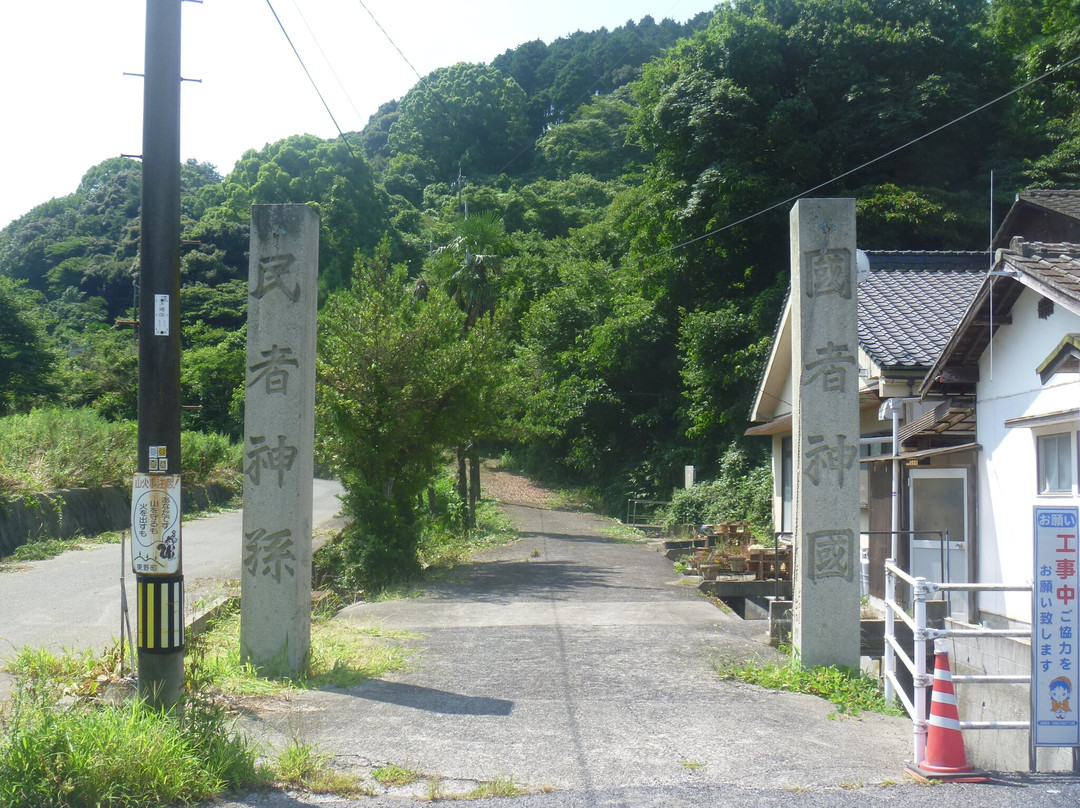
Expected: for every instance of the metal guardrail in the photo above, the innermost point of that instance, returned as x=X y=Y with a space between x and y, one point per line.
x=644 y=509
x=916 y=704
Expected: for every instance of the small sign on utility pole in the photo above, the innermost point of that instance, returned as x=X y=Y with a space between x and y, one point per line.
x=155 y=524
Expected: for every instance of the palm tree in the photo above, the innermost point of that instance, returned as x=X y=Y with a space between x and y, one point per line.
x=470 y=265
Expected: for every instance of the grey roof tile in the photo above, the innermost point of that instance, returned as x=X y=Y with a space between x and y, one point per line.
x=911 y=302
x=1056 y=265
x=1066 y=202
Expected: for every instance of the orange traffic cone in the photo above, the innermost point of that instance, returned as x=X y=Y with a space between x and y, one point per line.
x=945 y=758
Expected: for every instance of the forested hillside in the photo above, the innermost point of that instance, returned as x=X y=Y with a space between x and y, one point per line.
x=606 y=303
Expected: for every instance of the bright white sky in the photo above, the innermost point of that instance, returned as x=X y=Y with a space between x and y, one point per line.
x=67 y=105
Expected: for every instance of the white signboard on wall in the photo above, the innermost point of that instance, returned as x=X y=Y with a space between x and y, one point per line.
x=1055 y=629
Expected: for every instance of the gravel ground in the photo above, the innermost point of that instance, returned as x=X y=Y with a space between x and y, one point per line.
x=511 y=488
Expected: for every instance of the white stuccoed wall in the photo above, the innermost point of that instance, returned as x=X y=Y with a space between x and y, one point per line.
x=1007 y=473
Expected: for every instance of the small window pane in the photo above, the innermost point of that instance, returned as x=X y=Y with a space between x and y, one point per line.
x=1055 y=463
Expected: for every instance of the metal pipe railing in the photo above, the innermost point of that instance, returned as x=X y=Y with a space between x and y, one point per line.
x=916 y=706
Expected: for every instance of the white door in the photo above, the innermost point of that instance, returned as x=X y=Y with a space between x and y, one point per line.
x=939 y=503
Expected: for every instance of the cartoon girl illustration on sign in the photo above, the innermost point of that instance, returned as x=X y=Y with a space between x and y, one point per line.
x=1060 y=690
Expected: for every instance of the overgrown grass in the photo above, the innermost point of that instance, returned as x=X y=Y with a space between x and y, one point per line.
x=624 y=533
x=576 y=499
x=50 y=449
x=80 y=751
x=499 y=787
x=342 y=655
x=391 y=776
x=41 y=549
x=446 y=547
x=301 y=765
x=850 y=692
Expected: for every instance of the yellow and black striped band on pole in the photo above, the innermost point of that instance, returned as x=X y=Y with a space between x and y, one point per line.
x=161 y=613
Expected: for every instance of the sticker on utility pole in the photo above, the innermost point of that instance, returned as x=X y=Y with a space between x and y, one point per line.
x=1054 y=635
x=155 y=524
x=161 y=315
x=159 y=458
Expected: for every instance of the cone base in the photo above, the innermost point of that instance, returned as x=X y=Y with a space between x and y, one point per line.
x=968 y=775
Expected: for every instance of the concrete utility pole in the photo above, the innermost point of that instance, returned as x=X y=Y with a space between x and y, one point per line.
x=156 y=555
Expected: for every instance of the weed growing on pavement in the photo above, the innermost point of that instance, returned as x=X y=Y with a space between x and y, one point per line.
x=850 y=692
x=391 y=776
x=499 y=787
x=435 y=790
x=692 y=765
x=623 y=533
x=342 y=655
x=302 y=765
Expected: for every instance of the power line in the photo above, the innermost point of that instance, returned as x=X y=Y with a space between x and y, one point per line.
x=870 y=162
x=312 y=80
x=388 y=39
x=326 y=59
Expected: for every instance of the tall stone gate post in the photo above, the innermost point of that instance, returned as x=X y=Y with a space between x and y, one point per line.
x=824 y=369
x=279 y=430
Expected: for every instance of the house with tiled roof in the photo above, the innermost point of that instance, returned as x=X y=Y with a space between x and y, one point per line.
x=909 y=304
x=983 y=380
x=1046 y=215
x=1015 y=354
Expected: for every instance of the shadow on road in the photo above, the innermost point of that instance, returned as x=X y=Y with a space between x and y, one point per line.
x=514 y=580
x=430 y=699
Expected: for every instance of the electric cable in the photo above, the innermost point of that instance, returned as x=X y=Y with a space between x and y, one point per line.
x=310 y=79
x=868 y=163
x=326 y=59
x=388 y=39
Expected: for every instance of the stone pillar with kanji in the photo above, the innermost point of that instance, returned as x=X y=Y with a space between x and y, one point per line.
x=279 y=436
x=825 y=390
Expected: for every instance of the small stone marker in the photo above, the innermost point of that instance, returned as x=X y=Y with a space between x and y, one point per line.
x=279 y=430
x=825 y=371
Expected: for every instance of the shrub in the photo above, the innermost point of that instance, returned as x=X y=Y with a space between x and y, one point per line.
x=49 y=449
x=53 y=448
x=210 y=458
x=742 y=492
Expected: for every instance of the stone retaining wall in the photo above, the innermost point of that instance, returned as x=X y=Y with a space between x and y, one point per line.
x=82 y=511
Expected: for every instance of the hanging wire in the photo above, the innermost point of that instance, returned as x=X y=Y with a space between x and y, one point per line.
x=872 y=161
x=318 y=92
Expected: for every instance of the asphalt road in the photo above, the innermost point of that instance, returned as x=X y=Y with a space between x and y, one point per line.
x=578 y=666
x=73 y=601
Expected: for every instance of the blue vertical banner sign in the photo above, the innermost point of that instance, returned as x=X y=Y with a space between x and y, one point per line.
x=1054 y=628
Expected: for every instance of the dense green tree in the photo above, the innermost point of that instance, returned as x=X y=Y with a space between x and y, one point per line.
x=1044 y=136
x=212 y=379
x=560 y=77
x=26 y=361
x=373 y=140
x=399 y=382
x=593 y=142
x=101 y=371
x=466 y=116
x=304 y=169
x=772 y=99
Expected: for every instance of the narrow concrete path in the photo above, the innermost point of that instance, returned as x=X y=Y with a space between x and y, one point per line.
x=578 y=665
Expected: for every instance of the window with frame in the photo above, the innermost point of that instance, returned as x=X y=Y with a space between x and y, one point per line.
x=1057 y=469
x=786 y=486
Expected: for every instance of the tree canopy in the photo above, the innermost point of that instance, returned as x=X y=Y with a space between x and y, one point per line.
x=605 y=213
